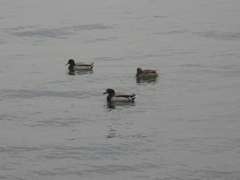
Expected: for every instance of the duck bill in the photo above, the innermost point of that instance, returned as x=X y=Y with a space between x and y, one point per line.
x=105 y=93
x=66 y=64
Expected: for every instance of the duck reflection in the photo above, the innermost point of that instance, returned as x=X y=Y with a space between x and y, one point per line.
x=116 y=105
x=71 y=72
x=152 y=80
x=82 y=72
x=112 y=132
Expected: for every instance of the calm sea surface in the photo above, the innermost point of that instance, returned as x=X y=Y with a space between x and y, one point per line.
x=184 y=125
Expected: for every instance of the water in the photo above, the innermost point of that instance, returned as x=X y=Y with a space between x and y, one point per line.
x=183 y=125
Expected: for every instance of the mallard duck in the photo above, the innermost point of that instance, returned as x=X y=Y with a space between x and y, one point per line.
x=113 y=97
x=146 y=73
x=79 y=65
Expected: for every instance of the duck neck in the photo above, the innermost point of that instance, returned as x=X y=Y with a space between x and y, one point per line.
x=70 y=67
x=109 y=97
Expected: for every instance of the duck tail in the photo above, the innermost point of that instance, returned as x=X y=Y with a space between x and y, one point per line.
x=133 y=97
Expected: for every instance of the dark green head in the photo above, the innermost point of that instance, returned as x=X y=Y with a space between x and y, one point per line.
x=71 y=62
x=109 y=91
x=139 y=71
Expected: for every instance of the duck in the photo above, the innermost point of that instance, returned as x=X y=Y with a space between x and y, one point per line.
x=79 y=65
x=146 y=73
x=122 y=97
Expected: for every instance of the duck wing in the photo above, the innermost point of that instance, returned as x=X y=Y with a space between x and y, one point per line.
x=84 y=64
x=148 y=71
x=127 y=95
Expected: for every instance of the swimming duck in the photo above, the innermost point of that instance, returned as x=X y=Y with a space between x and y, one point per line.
x=79 y=65
x=113 y=97
x=146 y=73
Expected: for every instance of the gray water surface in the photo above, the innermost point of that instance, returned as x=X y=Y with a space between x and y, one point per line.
x=184 y=125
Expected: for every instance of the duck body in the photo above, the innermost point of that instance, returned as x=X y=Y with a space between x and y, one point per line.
x=79 y=65
x=146 y=73
x=119 y=97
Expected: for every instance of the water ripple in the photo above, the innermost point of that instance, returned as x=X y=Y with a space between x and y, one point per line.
x=230 y=36
x=57 y=33
x=27 y=94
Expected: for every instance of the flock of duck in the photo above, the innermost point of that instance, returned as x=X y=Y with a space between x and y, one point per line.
x=112 y=95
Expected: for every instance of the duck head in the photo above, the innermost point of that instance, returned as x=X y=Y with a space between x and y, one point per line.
x=139 y=71
x=71 y=62
x=109 y=91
